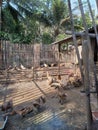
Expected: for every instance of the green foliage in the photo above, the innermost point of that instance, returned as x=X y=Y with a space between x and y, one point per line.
x=59 y=10
x=47 y=38
x=16 y=38
x=4 y=35
x=29 y=21
x=60 y=37
x=8 y=24
x=88 y=19
x=78 y=21
x=53 y=13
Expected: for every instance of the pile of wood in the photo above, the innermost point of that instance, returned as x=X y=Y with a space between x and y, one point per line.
x=25 y=110
x=34 y=107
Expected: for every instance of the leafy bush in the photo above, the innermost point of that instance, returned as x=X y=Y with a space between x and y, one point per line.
x=4 y=35
x=60 y=37
x=20 y=38
x=47 y=38
x=16 y=38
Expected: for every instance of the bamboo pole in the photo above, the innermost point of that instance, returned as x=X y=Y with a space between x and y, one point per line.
x=89 y=44
x=93 y=21
x=97 y=4
x=88 y=39
x=0 y=30
x=96 y=34
x=85 y=25
x=87 y=83
x=75 y=40
x=0 y=13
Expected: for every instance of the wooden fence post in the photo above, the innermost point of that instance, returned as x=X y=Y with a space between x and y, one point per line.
x=87 y=83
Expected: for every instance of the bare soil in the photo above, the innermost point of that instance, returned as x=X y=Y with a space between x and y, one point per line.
x=52 y=116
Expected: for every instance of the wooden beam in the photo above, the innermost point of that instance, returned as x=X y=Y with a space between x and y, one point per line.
x=83 y=91
x=80 y=34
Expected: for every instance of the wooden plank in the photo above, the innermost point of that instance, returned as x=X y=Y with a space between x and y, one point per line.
x=80 y=34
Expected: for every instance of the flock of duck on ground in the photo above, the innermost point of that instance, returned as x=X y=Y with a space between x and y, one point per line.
x=74 y=80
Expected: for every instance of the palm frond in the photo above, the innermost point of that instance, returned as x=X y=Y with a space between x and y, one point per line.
x=78 y=27
x=24 y=10
x=15 y=14
x=63 y=21
x=45 y=19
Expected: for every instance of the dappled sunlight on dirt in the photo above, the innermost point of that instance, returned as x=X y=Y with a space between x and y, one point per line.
x=71 y=115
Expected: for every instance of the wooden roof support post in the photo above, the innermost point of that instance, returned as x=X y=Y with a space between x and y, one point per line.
x=59 y=49
x=89 y=45
x=96 y=34
x=0 y=54
x=75 y=40
x=87 y=83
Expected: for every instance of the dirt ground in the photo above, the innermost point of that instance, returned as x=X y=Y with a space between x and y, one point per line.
x=52 y=116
